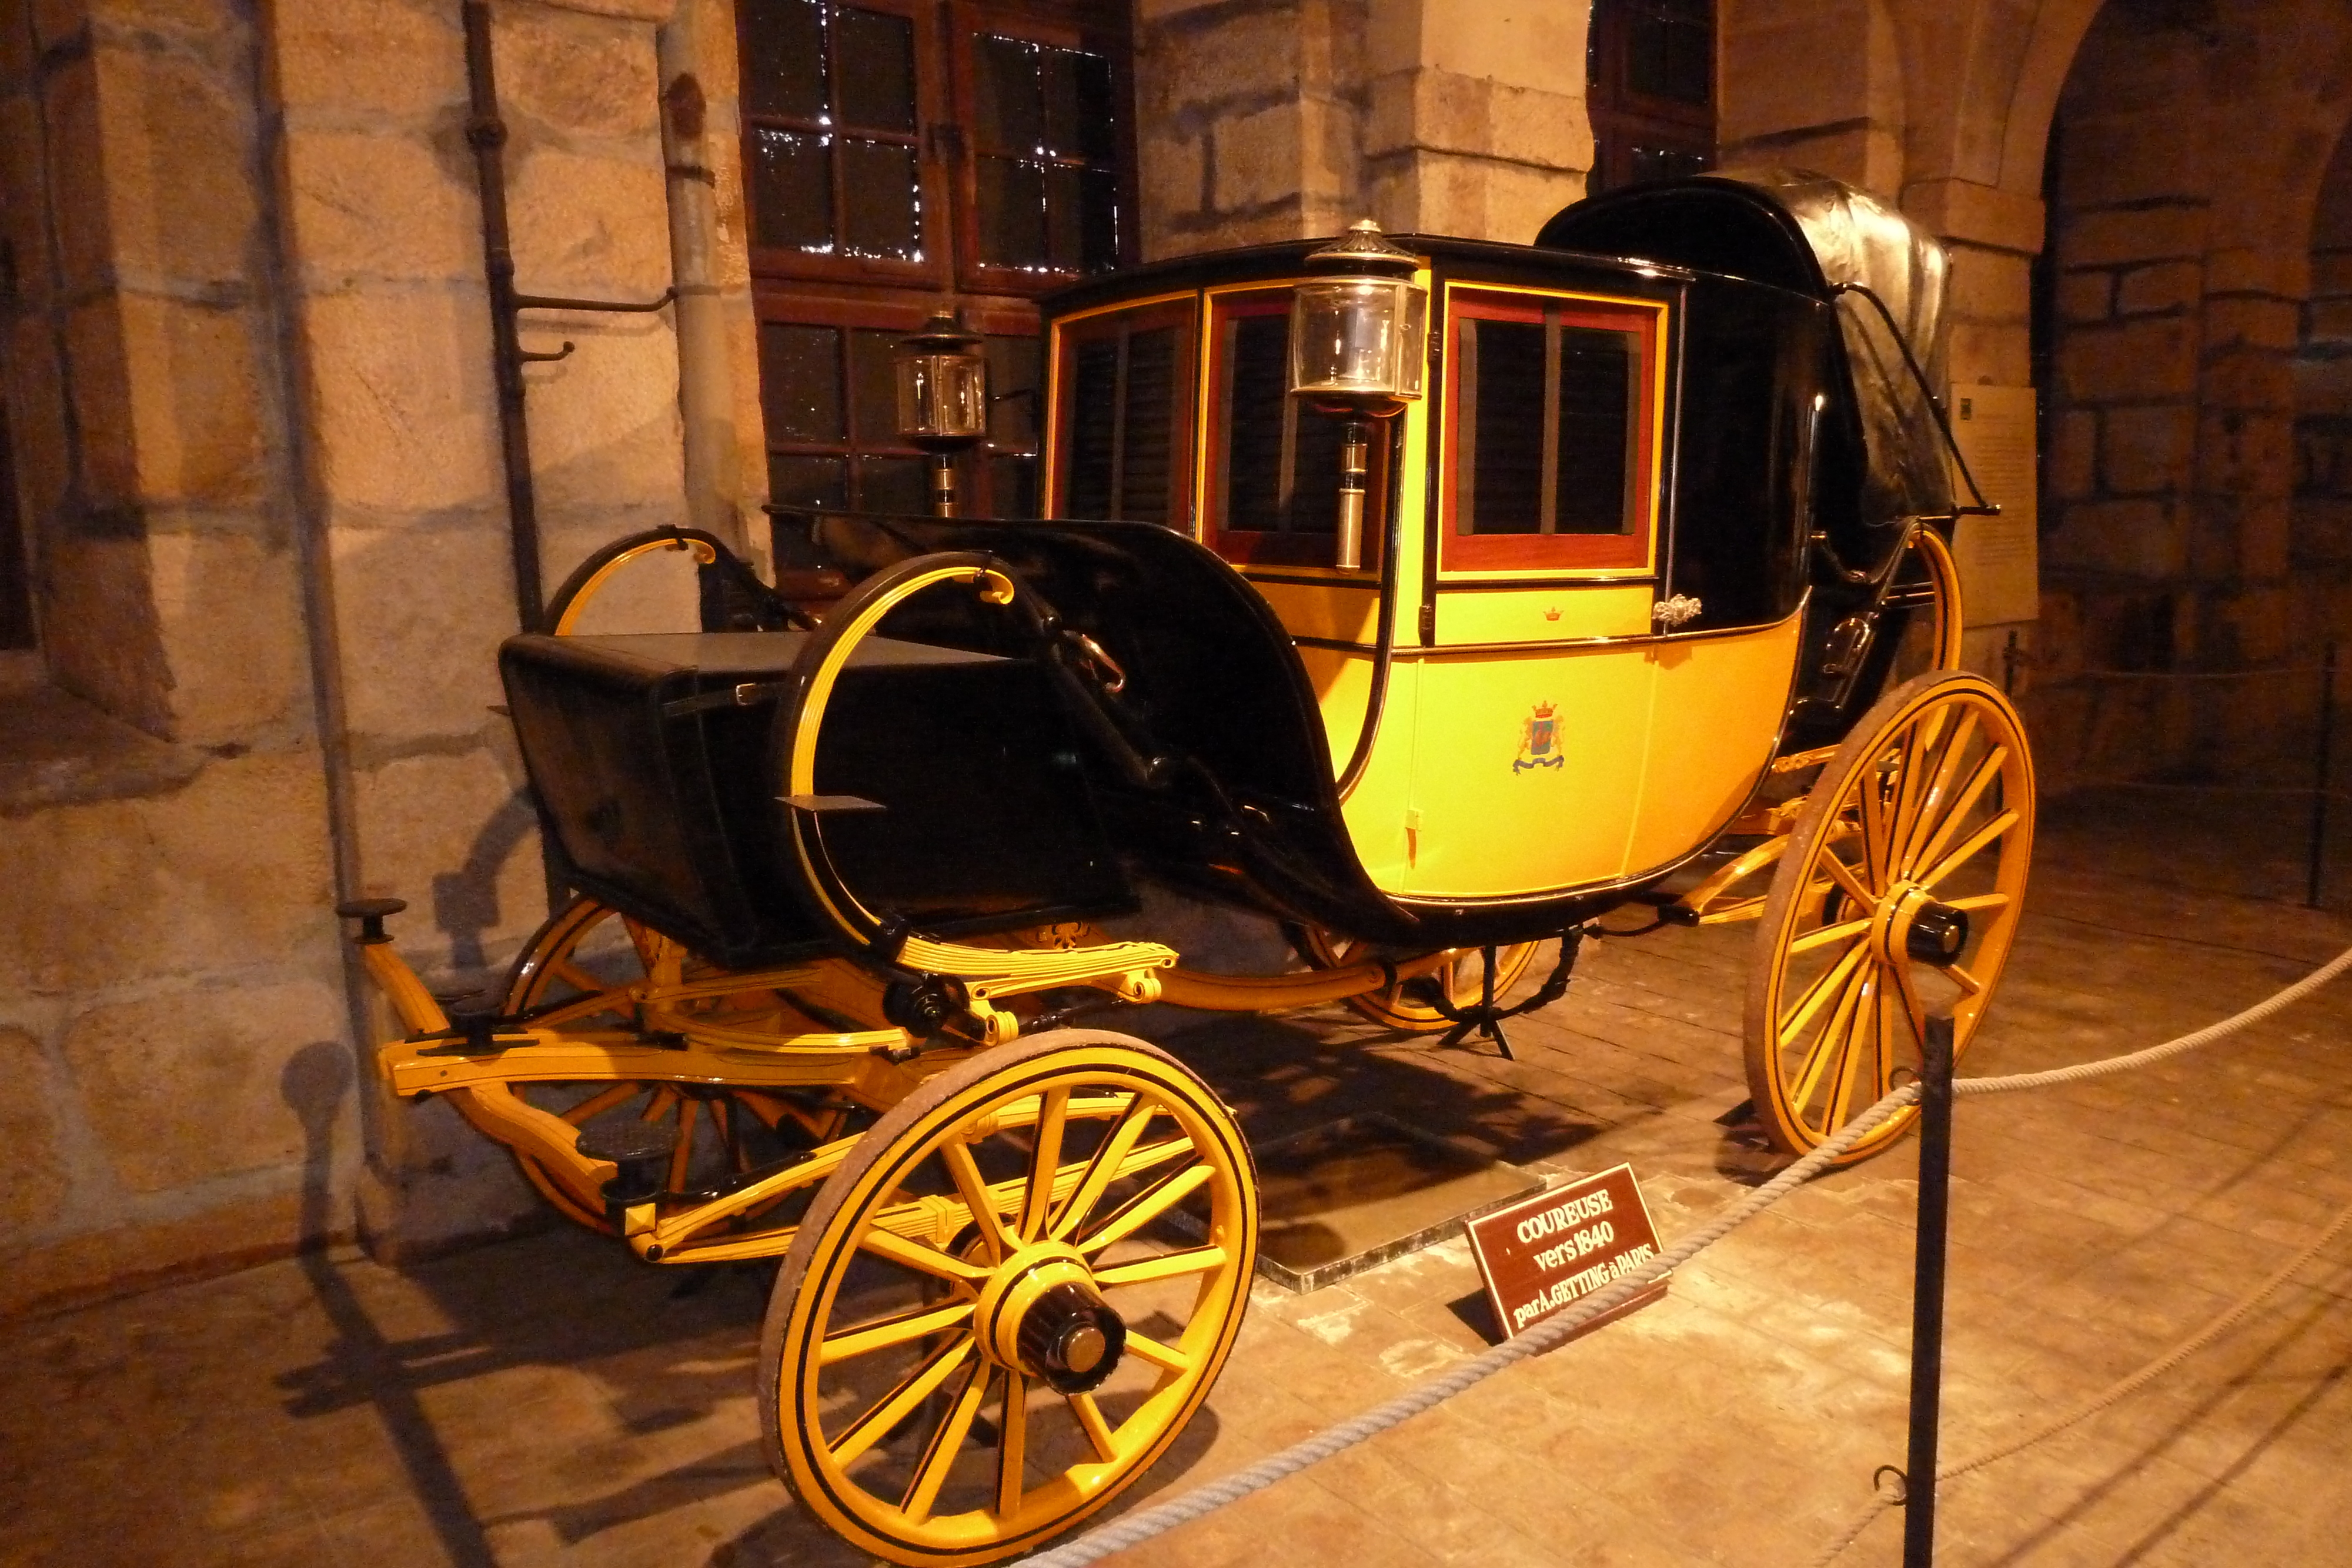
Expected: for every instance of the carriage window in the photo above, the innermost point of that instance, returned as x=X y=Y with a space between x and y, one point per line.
x=1125 y=397
x=1273 y=465
x=1550 y=425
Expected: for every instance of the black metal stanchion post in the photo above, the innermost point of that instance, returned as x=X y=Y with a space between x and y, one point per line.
x=2320 y=769
x=1928 y=1294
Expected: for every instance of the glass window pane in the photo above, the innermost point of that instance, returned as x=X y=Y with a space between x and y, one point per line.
x=1598 y=381
x=800 y=381
x=883 y=216
x=808 y=481
x=1065 y=241
x=1094 y=428
x=1670 y=51
x=1006 y=99
x=892 y=484
x=874 y=386
x=1097 y=113
x=784 y=58
x=1012 y=213
x=1501 y=474
x=791 y=190
x=1097 y=220
x=1257 y=357
x=1012 y=391
x=1146 y=455
x=874 y=54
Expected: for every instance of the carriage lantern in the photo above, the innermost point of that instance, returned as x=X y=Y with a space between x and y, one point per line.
x=1356 y=350
x=943 y=399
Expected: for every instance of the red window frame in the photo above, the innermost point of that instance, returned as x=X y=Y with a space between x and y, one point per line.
x=1183 y=314
x=1262 y=547
x=1628 y=551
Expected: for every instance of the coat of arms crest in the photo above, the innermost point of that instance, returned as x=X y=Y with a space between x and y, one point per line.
x=1539 y=740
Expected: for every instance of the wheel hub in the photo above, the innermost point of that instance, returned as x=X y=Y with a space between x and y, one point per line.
x=1913 y=923
x=1041 y=1315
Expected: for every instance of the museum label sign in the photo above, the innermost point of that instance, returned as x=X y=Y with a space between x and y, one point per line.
x=1551 y=1250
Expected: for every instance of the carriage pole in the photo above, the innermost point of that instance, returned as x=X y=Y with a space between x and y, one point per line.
x=1928 y=1292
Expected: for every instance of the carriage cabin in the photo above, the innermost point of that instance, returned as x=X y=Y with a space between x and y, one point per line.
x=1576 y=629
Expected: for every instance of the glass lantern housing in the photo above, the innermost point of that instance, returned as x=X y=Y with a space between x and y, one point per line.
x=1357 y=343
x=942 y=387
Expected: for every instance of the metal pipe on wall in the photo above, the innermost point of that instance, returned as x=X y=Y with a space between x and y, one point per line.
x=705 y=379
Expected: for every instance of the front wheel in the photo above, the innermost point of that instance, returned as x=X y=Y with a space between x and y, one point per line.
x=1899 y=893
x=1009 y=1299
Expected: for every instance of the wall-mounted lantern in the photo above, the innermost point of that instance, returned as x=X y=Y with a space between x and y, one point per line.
x=943 y=399
x=1357 y=350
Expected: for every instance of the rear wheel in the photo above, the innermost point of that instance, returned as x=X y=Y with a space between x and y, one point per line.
x=1407 y=1005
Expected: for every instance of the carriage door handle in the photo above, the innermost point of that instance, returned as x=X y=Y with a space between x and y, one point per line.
x=1670 y=613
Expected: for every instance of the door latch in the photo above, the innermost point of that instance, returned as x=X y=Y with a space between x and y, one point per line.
x=1670 y=613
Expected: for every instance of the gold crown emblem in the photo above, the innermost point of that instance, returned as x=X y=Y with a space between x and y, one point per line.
x=1543 y=710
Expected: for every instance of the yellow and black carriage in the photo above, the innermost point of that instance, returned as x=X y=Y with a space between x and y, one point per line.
x=1435 y=598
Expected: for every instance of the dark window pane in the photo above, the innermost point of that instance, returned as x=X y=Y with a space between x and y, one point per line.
x=784 y=58
x=1149 y=417
x=874 y=54
x=800 y=381
x=1670 y=51
x=1006 y=99
x=1065 y=215
x=1014 y=480
x=1012 y=392
x=1599 y=372
x=883 y=216
x=892 y=484
x=1257 y=403
x=808 y=481
x=1012 y=213
x=1315 y=474
x=1097 y=220
x=874 y=386
x=1094 y=428
x=791 y=190
x=1501 y=474
x=1097 y=113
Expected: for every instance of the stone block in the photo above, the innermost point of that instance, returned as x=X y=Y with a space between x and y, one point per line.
x=454 y=832
x=604 y=422
x=1868 y=153
x=196 y=401
x=100 y=374
x=2153 y=357
x=99 y=636
x=1478 y=198
x=401 y=58
x=231 y=868
x=2322 y=530
x=369 y=204
x=1976 y=214
x=2248 y=379
x=178 y=171
x=2111 y=160
x=56 y=22
x=36 y=415
x=1990 y=287
x=1442 y=111
x=2118 y=238
x=2135 y=539
x=1254 y=159
x=2245 y=452
x=587 y=225
x=2252 y=322
x=2165 y=285
x=22 y=181
x=2147 y=450
x=143 y=1254
x=401 y=397
x=420 y=609
x=2265 y=537
x=34 y=1178
x=2086 y=297
x=2074 y=454
x=1173 y=172
x=2329 y=320
x=77 y=207
x=2331 y=272
x=190 y=1084
x=653 y=11
x=2251 y=269
x=1788 y=69
x=657 y=594
x=1994 y=354
x=229 y=608
x=577 y=74
x=1229 y=55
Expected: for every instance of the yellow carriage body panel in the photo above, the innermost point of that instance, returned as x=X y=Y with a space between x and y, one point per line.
x=1715 y=707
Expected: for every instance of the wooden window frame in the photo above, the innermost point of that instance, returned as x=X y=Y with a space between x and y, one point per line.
x=1622 y=118
x=1629 y=553
x=1266 y=546
x=1181 y=311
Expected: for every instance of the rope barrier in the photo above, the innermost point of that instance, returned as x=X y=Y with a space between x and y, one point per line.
x=1144 y=1525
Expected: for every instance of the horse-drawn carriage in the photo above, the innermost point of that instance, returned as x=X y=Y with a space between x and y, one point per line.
x=1439 y=600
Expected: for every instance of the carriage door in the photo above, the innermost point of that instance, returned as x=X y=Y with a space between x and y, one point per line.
x=1535 y=672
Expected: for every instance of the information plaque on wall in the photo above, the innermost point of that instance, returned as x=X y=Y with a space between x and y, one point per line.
x=2000 y=566
x=1548 y=1252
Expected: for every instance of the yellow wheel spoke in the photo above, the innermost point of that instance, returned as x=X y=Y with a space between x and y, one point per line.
x=940 y=1457
x=903 y=1330
x=915 y=1254
x=573 y=974
x=1986 y=772
x=1832 y=980
x=1103 y=1168
x=1146 y=1206
x=1167 y=1357
x=1012 y=1444
x=1965 y=980
x=1975 y=841
x=681 y=1154
x=1935 y=799
x=601 y=1102
x=1829 y=1047
x=1866 y=1045
x=1098 y=1429
x=875 y=1424
x=1046 y=1157
x=1982 y=901
x=658 y=1106
x=1842 y=874
x=956 y=1155
x=1911 y=784
x=1844 y=931
x=1166 y=1266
